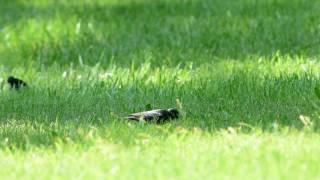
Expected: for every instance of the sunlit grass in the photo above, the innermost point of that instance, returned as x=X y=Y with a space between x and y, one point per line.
x=242 y=74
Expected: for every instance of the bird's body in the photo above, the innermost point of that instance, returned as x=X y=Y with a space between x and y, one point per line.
x=158 y=115
x=16 y=83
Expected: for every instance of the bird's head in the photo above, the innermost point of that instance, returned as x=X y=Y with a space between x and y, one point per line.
x=174 y=113
x=11 y=79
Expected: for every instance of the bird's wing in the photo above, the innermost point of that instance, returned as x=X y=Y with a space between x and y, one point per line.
x=147 y=115
x=133 y=117
x=151 y=115
x=156 y=111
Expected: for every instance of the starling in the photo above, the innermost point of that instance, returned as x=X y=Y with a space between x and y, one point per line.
x=16 y=83
x=158 y=115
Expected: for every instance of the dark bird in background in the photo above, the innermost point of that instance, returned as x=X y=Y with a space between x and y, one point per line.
x=157 y=115
x=16 y=83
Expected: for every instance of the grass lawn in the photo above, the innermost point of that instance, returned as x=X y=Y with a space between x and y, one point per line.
x=242 y=73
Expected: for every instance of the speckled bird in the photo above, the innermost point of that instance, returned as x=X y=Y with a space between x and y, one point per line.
x=16 y=83
x=157 y=115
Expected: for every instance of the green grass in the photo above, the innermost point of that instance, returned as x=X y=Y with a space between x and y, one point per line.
x=242 y=73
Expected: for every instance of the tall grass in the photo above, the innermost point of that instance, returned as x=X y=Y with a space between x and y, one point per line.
x=242 y=74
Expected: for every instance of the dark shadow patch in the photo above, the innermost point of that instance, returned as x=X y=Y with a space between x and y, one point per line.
x=163 y=32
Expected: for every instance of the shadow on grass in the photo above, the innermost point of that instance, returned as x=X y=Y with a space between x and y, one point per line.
x=161 y=32
x=40 y=117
